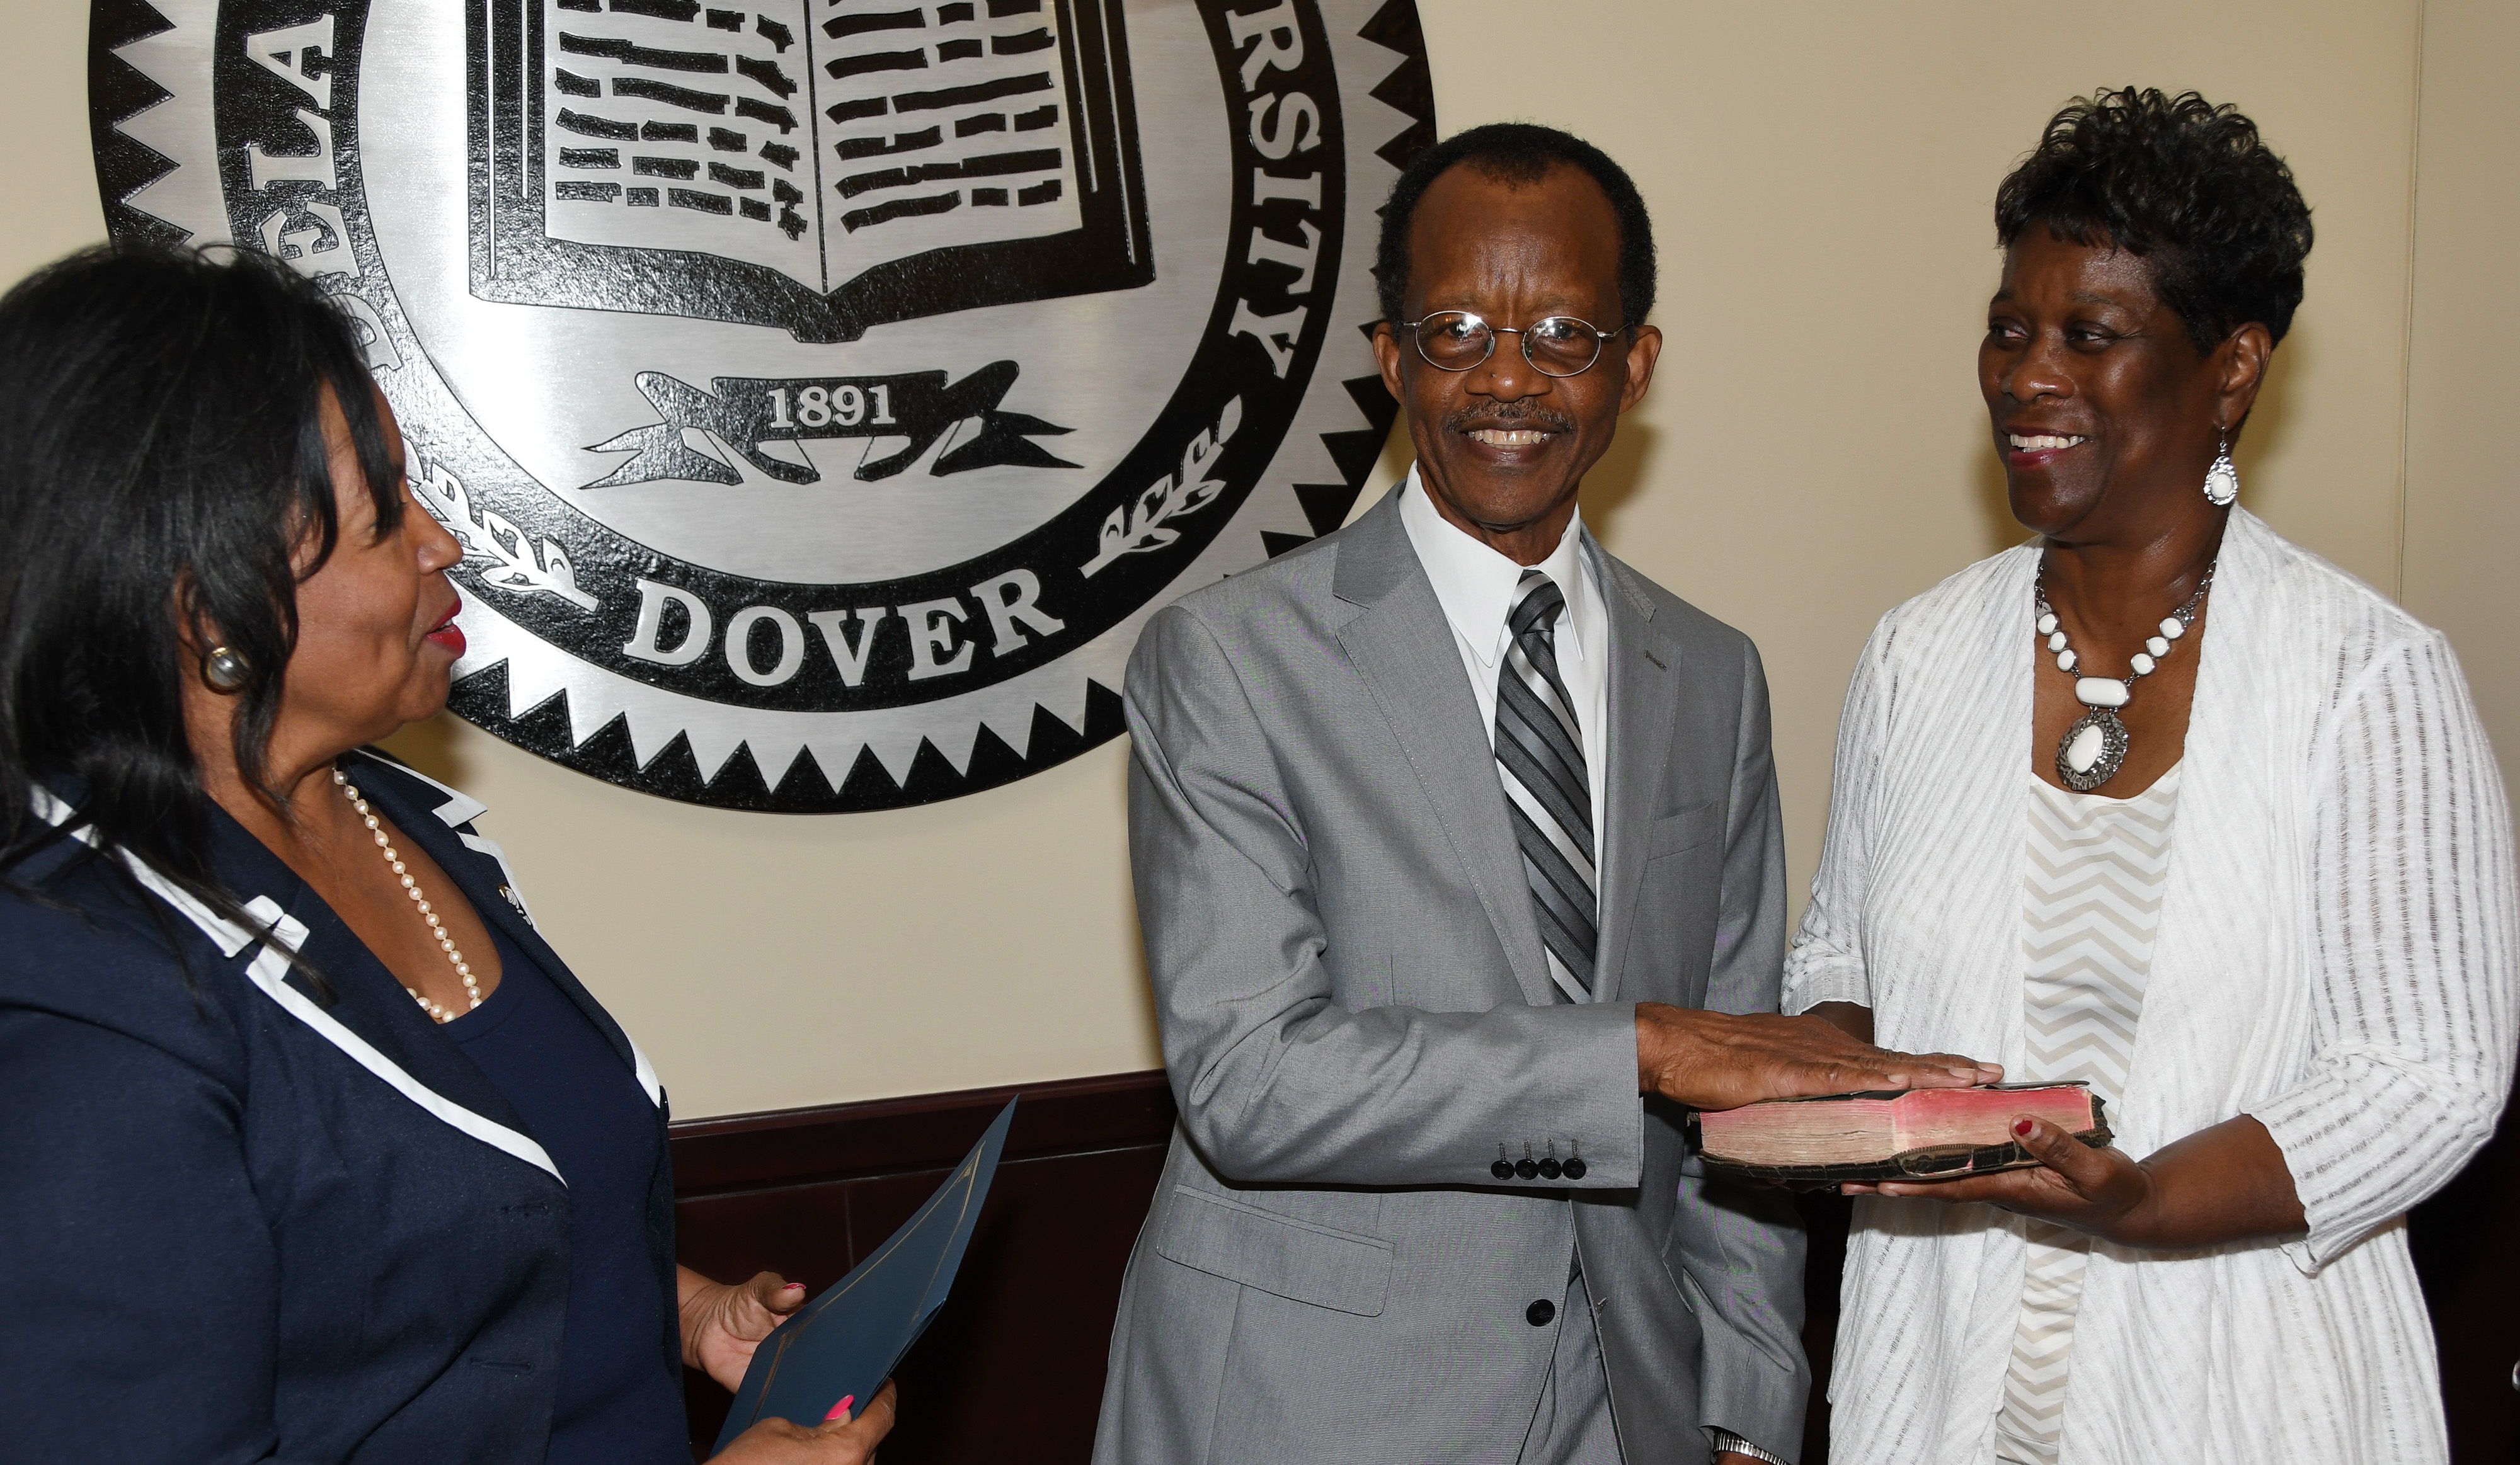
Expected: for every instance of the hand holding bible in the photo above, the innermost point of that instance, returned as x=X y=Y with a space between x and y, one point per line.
x=1723 y=1060
x=2227 y=1182
x=2073 y=1184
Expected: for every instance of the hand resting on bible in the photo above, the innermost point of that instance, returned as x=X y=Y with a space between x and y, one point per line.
x=1723 y=1060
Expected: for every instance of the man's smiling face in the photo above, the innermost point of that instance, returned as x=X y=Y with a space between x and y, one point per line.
x=1502 y=448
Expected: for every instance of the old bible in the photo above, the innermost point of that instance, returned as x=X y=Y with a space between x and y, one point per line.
x=1889 y=1134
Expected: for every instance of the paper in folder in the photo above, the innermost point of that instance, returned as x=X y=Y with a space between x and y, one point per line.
x=845 y=1342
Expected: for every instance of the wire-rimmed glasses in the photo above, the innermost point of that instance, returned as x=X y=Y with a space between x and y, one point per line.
x=1458 y=340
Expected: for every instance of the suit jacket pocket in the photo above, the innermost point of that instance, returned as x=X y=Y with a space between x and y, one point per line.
x=1342 y=1271
x=1678 y=901
x=1685 y=830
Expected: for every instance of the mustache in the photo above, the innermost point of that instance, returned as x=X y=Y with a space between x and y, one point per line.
x=1509 y=416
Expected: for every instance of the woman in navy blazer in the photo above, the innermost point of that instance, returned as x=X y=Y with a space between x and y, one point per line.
x=313 y=1149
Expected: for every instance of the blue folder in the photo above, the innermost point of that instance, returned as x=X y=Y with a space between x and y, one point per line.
x=845 y=1342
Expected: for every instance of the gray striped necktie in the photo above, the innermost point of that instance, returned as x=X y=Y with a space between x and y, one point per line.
x=1540 y=755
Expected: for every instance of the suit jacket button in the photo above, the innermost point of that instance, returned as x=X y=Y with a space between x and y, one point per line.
x=1573 y=1168
x=1540 y=1313
x=1548 y=1170
x=1502 y=1169
x=1527 y=1169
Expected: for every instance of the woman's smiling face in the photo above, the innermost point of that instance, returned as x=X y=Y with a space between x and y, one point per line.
x=2105 y=412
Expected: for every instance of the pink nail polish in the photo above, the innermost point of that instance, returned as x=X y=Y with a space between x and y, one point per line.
x=793 y=1287
x=2021 y=1129
x=841 y=1410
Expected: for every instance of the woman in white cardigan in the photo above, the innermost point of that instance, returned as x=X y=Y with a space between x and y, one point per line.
x=2254 y=882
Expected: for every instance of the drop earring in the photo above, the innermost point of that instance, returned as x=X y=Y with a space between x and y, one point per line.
x=2222 y=480
x=224 y=670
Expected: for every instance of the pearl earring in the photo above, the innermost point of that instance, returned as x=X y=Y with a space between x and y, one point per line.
x=224 y=670
x=2222 y=480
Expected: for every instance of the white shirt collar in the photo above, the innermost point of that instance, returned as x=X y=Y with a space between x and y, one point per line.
x=1475 y=585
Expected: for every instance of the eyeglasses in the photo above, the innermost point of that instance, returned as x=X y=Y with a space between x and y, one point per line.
x=1456 y=340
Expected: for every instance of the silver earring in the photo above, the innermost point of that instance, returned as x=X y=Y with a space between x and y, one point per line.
x=224 y=670
x=2222 y=480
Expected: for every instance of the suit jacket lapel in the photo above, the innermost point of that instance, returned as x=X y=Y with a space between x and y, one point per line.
x=366 y=998
x=1403 y=648
x=1644 y=687
x=482 y=877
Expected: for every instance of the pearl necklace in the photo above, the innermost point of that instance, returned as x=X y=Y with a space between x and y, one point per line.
x=411 y=888
x=2092 y=749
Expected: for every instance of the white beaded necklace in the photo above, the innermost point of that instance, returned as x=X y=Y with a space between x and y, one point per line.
x=411 y=888
x=2092 y=750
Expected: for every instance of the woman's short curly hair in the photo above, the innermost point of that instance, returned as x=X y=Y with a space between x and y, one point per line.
x=2189 y=186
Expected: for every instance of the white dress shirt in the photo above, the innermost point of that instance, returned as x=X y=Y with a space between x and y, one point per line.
x=1475 y=585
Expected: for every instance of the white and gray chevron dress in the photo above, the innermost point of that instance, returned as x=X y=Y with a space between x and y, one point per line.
x=2090 y=912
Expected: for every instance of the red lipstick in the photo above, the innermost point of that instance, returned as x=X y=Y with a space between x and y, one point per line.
x=448 y=633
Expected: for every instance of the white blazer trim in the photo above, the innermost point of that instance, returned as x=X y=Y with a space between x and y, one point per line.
x=460 y=808
x=227 y=935
x=646 y=1071
x=269 y=971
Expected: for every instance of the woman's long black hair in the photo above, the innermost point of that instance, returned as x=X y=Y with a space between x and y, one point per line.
x=163 y=479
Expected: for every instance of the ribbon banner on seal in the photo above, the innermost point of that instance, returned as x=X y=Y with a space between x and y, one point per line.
x=746 y=412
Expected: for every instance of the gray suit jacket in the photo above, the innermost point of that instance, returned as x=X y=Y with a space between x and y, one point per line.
x=1358 y=1021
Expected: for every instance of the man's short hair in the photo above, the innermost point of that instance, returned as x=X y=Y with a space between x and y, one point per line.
x=1517 y=153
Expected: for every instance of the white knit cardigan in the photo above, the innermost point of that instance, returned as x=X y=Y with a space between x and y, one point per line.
x=2336 y=957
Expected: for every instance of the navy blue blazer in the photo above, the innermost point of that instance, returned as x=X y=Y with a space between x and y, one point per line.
x=239 y=1223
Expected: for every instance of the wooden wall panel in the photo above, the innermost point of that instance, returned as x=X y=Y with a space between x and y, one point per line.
x=1012 y=1368
x=2463 y=1244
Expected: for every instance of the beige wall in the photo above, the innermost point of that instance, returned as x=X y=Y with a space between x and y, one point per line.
x=1812 y=452
x=2462 y=520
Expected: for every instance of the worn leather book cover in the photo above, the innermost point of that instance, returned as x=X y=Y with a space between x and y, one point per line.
x=1892 y=1133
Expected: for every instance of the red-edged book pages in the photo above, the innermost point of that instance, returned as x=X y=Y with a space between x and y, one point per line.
x=1889 y=1134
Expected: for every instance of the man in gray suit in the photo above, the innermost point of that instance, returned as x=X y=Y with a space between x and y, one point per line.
x=1457 y=852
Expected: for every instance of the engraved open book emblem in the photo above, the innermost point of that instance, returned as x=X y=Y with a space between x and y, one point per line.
x=823 y=392
x=819 y=172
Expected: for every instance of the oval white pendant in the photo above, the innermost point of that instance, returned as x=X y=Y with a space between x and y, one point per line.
x=2085 y=748
x=2092 y=750
x=2100 y=692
